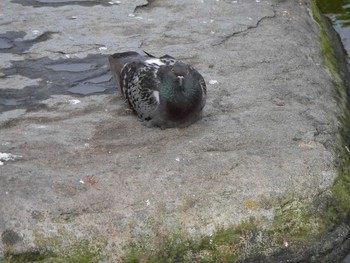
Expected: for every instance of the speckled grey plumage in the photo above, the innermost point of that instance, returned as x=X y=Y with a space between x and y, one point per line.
x=162 y=91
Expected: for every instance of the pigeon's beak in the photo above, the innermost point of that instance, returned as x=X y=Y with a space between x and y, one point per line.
x=180 y=80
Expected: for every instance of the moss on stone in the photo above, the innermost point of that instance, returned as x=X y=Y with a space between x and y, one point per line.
x=295 y=220
x=47 y=242
x=225 y=245
x=79 y=253
x=84 y=252
x=30 y=256
x=51 y=249
x=326 y=44
x=341 y=188
x=251 y=204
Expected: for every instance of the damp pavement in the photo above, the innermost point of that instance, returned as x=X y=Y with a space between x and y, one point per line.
x=76 y=163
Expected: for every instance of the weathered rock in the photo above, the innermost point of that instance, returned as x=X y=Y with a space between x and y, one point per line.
x=88 y=169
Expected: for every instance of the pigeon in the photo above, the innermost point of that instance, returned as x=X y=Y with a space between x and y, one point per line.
x=164 y=92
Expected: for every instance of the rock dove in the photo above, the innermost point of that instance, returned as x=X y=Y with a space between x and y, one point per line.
x=164 y=92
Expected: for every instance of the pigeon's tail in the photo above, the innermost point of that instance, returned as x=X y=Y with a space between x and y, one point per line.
x=148 y=54
x=115 y=69
x=118 y=60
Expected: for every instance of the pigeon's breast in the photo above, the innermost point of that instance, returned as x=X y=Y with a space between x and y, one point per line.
x=181 y=112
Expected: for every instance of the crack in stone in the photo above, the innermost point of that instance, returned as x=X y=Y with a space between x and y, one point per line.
x=226 y=38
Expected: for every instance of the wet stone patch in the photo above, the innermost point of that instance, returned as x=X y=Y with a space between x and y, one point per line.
x=75 y=76
x=58 y=3
x=5 y=43
x=11 y=41
x=71 y=67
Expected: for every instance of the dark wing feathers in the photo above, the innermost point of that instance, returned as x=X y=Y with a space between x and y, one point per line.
x=138 y=86
x=118 y=60
x=164 y=58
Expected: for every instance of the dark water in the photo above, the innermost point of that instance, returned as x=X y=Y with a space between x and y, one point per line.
x=339 y=13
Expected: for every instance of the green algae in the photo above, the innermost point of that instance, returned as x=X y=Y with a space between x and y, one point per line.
x=339 y=208
x=296 y=222
x=51 y=249
x=225 y=245
x=326 y=44
x=30 y=256
x=79 y=253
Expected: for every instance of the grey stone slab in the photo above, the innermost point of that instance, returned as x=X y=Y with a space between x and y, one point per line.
x=89 y=168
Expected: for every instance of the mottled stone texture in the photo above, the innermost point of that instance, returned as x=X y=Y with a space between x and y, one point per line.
x=84 y=167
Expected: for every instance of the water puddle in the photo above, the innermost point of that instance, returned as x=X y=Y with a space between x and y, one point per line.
x=57 y=3
x=72 y=67
x=79 y=77
x=9 y=102
x=12 y=41
x=5 y=43
x=103 y=78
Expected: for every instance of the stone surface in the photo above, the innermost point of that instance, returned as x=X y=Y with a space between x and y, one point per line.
x=85 y=166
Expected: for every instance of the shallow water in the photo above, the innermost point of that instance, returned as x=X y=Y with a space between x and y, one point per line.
x=13 y=42
x=77 y=77
x=9 y=102
x=5 y=43
x=71 y=67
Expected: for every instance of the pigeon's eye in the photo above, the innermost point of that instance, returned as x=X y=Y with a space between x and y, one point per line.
x=173 y=70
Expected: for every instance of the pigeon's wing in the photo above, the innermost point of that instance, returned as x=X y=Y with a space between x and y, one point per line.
x=168 y=60
x=204 y=89
x=141 y=88
x=118 y=60
x=202 y=84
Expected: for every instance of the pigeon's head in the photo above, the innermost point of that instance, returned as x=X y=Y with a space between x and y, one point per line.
x=182 y=92
x=180 y=71
x=178 y=82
